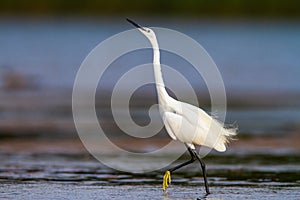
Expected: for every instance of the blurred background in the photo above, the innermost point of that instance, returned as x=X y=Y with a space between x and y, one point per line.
x=255 y=45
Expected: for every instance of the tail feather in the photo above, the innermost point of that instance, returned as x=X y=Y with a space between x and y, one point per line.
x=225 y=135
x=219 y=136
x=209 y=131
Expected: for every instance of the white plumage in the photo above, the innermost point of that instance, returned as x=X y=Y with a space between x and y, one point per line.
x=193 y=126
x=184 y=122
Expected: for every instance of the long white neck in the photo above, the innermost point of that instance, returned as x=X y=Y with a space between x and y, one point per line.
x=160 y=86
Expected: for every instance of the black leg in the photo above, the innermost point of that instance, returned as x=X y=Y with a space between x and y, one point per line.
x=187 y=162
x=182 y=165
x=203 y=167
x=167 y=176
x=194 y=156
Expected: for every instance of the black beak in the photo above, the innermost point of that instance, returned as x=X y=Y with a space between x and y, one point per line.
x=135 y=24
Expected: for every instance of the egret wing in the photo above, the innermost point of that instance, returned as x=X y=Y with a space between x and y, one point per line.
x=205 y=129
x=180 y=128
x=169 y=120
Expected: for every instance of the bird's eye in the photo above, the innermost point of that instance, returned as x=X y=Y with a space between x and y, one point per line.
x=148 y=31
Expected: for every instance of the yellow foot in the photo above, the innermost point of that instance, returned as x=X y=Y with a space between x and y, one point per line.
x=167 y=180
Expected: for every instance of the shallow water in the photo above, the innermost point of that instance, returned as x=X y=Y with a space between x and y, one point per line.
x=56 y=190
x=79 y=176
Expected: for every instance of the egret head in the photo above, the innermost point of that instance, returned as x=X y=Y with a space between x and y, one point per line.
x=146 y=31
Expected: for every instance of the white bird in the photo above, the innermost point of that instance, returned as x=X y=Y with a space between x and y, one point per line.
x=184 y=122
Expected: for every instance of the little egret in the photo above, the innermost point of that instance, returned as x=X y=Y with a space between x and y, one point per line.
x=184 y=122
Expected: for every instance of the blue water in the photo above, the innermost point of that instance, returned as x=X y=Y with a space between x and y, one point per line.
x=251 y=55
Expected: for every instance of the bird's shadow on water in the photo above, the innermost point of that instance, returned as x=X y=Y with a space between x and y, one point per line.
x=203 y=197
